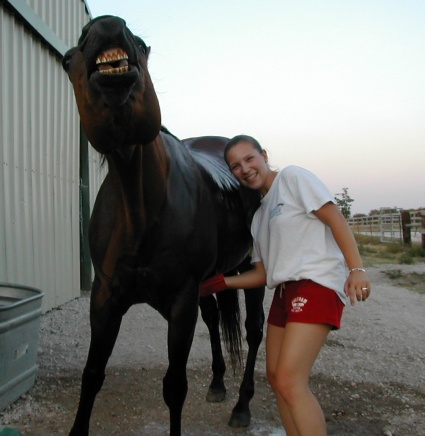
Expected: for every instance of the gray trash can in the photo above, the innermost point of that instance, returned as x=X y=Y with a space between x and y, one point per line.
x=20 y=310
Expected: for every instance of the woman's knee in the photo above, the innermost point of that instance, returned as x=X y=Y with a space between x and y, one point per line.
x=280 y=383
x=289 y=388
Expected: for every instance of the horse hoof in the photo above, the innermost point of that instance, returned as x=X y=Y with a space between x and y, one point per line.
x=216 y=395
x=239 y=419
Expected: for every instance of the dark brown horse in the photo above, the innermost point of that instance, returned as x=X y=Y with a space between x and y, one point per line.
x=168 y=215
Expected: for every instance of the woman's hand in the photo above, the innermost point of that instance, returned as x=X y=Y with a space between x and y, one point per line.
x=253 y=278
x=212 y=285
x=357 y=286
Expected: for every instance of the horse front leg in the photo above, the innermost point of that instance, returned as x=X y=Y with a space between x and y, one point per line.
x=181 y=328
x=210 y=315
x=241 y=414
x=105 y=321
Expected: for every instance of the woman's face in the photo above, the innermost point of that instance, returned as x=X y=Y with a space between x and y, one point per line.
x=249 y=166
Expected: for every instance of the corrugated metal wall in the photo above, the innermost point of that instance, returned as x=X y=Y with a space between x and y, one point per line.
x=39 y=151
x=65 y=17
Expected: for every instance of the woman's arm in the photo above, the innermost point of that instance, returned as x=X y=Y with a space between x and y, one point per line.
x=253 y=278
x=357 y=284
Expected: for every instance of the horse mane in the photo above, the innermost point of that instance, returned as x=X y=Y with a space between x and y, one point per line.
x=165 y=130
x=211 y=162
x=216 y=169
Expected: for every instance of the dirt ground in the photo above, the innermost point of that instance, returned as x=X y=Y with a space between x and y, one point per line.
x=369 y=378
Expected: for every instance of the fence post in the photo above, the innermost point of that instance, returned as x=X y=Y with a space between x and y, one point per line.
x=405 y=221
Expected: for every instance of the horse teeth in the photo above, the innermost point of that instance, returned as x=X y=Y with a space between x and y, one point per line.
x=115 y=70
x=111 y=56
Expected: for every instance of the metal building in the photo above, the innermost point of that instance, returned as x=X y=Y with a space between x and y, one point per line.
x=47 y=168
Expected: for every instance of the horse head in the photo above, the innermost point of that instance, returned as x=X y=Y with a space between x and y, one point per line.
x=116 y=99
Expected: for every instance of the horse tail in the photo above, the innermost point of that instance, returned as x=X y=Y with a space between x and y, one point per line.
x=230 y=322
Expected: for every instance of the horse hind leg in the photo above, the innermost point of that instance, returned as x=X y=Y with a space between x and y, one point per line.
x=241 y=414
x=105 y=326
x=210 y=315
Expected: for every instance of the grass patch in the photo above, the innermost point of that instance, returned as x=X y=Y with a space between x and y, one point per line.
x=412 y=281
x=394 y=274
x=416 y=251
x=375 y=252
x=394 y=248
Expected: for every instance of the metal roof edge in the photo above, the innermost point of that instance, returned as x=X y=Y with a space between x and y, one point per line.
x=87 y=9
x=37 y=25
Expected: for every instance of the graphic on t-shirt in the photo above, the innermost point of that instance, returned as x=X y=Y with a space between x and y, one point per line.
x=298 y=303
x=276 y=210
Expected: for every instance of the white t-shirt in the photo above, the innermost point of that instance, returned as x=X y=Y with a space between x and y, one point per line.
x=290 y=240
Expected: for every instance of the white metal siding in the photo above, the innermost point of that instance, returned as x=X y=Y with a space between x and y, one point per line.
x=39 y=150
x=65 y=17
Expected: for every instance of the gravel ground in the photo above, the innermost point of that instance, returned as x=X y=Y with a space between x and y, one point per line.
x=369 y=378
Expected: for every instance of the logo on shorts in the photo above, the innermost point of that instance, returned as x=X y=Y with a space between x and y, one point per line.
x=298 y=304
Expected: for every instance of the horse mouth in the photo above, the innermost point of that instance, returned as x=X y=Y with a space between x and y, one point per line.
x=114 y=76
x=113 y=61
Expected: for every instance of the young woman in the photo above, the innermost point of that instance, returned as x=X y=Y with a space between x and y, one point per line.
x=304 y=248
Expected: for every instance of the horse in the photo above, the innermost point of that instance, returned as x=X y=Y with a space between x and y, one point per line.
x=168 y=215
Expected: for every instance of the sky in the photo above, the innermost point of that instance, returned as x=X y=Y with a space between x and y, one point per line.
x=335 y=86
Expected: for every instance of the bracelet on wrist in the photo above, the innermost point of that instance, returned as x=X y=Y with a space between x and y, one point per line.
x=356 y=269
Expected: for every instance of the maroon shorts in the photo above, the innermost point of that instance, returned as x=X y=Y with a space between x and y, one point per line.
x=305 y=301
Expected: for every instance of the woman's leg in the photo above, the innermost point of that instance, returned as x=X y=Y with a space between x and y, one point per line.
x=274 y=339
x=291 y=354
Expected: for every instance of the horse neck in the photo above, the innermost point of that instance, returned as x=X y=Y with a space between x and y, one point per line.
x=139 y=175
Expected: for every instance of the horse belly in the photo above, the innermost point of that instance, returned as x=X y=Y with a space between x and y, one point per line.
x=232 y=251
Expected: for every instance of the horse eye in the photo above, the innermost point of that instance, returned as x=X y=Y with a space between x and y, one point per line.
x=66 y=61
x=141 y=45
